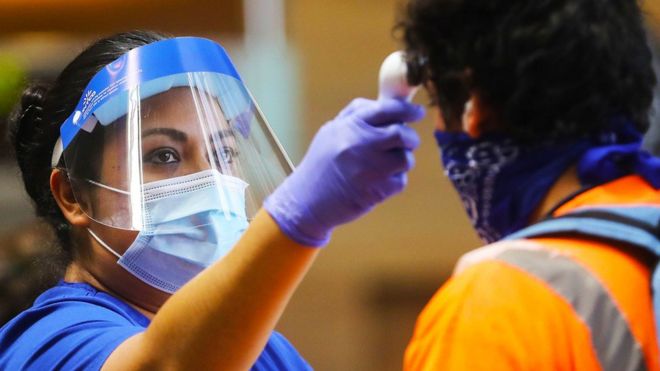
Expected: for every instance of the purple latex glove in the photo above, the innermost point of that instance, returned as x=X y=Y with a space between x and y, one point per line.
x=355 y=161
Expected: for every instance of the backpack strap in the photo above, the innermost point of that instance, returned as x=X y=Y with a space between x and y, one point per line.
x=638 y=226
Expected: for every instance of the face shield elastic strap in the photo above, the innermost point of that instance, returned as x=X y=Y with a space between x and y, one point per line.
x=109 y=188
x=57 y=154
x=136 y=67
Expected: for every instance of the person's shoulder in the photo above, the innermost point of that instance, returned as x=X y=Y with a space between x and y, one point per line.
x=494 y=253
x=279 y=354
x=70 y=304
x=486 y=281
x=66 y=319
x=77 y=301
x=495 y=306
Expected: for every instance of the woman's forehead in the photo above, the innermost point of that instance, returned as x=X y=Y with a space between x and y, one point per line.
x=181 y=107
x=177 y=102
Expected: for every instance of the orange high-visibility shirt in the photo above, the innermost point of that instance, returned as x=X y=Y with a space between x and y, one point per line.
x=494 y=315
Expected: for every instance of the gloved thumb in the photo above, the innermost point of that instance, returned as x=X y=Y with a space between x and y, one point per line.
x=389 y=111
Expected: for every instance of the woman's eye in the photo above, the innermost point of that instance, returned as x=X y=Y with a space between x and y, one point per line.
x=163 y=156
x=227 y=155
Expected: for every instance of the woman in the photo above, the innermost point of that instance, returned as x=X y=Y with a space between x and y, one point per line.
x=149 y=181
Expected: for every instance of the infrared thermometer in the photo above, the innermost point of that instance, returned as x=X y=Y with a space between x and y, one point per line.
x=392 y=79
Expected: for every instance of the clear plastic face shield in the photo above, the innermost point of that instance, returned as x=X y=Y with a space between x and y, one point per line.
x=168 y=141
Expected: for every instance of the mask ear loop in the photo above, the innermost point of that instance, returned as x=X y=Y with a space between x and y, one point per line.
x=100 y=241
x=55 y=159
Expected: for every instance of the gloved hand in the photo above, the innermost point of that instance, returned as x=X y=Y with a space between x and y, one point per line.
x=355 y=161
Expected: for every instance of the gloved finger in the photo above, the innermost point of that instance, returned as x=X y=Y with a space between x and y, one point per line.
x=389 y=111
x=398 y=136
x=356 y=104
x=392 y=162
x=392 y=185
x=385 y=188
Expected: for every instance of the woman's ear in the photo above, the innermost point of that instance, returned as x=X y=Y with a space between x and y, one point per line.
x=61 y=189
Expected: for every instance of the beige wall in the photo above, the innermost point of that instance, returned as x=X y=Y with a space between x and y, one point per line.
x=356 y=308
x=652 y=9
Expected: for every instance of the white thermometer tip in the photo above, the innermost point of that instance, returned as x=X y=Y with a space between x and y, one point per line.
x=392 y=79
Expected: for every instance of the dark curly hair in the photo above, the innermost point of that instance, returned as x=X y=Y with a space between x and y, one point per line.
x=35 y=122
x=544 y=68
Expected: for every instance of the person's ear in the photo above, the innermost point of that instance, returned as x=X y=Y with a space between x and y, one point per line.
x=478 y=118
x=61 y=189
x=471 y=118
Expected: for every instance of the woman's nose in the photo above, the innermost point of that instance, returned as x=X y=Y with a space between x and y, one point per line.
x=199 y=161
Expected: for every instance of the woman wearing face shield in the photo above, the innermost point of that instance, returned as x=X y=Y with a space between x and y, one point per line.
x=151 y=161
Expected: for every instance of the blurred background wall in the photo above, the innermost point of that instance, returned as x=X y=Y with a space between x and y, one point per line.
x=303 y=60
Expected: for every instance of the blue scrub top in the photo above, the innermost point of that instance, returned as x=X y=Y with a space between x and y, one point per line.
x=74 y=326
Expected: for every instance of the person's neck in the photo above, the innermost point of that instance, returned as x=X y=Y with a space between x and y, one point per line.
x=567 y=184
x=77 y=273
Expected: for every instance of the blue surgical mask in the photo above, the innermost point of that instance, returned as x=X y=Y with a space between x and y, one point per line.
x=501 y=183
x=190 y=222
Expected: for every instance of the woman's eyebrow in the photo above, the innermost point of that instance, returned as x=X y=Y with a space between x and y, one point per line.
x=174 y=134
x=221 y=134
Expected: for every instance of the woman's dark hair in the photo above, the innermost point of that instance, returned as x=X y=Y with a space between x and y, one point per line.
x=545 y=68
x=35 y=122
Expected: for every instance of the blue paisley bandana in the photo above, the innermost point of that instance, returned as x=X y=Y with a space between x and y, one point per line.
x=501 y=183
